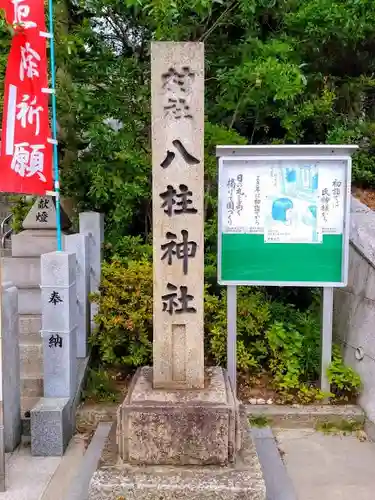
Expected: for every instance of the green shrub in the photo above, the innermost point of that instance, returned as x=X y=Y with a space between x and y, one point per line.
x=271 y=336
x=252 y=319
x=294 y=357
x=345 y=382
x=285 y=360
x=20 y=207
x=124 y=321
x=127 y=248
x=100 y=386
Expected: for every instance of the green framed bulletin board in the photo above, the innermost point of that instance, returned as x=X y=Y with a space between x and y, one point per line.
x=283 y=215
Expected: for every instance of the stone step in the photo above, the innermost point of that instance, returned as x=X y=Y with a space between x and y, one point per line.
x=29 y=300
x=306 y=416
x=23 y=272
x=32 y=386
x=29 y=327
x=31 y=360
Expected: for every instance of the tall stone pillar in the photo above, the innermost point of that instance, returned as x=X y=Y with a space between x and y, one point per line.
x=10 y=363
x=91 y=224
x=178 y=220
x=78 y=244
x=177 y=415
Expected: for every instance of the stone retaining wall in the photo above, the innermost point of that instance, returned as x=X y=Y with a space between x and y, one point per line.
x=354 y=306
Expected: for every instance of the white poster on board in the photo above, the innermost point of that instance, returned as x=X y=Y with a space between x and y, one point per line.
x=332 y=191
x=243 y=194
x=286 y=201
x=292 y=214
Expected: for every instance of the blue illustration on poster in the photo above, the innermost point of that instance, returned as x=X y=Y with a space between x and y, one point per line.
x=292 y=214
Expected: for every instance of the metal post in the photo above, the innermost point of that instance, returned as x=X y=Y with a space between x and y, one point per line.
x=232 y=335
x=2 y=452
x=54 y=129
x=327 y=313
x=2 y=443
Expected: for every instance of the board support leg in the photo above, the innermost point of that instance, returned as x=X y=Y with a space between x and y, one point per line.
x=327 y=314
x=232 y=335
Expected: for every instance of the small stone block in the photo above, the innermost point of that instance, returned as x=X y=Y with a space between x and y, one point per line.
x=29 y=300
x=179 y=427
x=51 y=427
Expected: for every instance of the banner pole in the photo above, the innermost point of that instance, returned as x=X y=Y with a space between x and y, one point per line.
x=2 y=440
x=54 y=129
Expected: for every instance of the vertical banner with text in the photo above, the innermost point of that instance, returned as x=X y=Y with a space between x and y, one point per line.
x=26 y=149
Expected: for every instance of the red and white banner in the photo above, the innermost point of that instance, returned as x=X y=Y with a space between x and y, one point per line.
x=26 y=149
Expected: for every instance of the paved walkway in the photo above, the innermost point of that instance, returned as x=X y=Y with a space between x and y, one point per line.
x=41 y=478
x=327 y=466
x=318 y=467
x=27 y=477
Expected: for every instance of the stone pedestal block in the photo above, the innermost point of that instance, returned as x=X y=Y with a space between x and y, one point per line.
x=34 y=243
x=179 y=427
x=51 y=427
x=240 y=481
x=53 y=420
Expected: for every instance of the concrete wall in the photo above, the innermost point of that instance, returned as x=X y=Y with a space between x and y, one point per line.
x=354 y=306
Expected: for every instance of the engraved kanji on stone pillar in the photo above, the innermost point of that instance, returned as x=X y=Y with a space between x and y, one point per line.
x=178 y=219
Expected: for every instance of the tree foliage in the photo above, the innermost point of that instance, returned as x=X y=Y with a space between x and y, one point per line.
x=277 y=71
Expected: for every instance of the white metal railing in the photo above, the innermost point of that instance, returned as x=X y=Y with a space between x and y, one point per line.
x=5 y=229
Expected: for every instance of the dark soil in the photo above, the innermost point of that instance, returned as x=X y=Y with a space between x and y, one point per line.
x=259 y=388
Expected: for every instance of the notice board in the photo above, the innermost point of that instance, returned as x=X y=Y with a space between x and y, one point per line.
x=283 y=218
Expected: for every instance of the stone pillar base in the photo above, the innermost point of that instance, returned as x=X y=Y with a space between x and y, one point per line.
x=238 y=481
x=179 y=427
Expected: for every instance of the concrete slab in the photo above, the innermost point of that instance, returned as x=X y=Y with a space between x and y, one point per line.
x=61 y=481
x=27 y=476
x=79 y=486
x=278 y=483
x=328 y=466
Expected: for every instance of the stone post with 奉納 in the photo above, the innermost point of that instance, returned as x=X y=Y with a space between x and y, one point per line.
x=51 y=418
x=177 y=414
